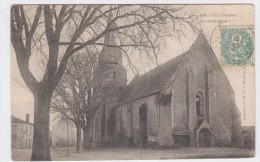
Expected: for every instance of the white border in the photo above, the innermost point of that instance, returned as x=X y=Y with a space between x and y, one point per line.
x=5 y=146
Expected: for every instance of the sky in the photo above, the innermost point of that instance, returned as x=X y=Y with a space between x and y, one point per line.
x=212 y=18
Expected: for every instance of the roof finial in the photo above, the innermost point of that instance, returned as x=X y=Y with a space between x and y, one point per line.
x=110 y=15
x=109 y=38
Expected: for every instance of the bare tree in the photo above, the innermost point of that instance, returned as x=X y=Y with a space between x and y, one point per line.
x=79 y=95
x=94 y=102
x=72 y=94
x=53 y=33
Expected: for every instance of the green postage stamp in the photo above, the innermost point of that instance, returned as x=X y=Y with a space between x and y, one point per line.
x=237 y=46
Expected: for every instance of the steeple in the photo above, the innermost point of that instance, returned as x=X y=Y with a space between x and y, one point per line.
x=110 y=38
x=112 y=81
x=110 y=55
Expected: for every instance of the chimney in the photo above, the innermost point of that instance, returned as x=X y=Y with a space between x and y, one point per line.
x=27 y=118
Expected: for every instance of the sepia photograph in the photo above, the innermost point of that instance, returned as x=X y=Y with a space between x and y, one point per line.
x=132 y=81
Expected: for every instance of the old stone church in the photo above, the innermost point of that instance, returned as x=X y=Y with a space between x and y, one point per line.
x=185 y=102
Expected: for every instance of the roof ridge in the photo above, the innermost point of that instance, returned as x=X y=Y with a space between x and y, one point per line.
x=18 y=120
x=158 y=67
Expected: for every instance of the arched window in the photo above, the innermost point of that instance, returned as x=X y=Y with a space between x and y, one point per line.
x=199 y=103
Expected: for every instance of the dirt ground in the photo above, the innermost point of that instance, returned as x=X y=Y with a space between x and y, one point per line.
x=135 y=154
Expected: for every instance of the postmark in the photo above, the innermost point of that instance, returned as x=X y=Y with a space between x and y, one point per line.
x=237 y=46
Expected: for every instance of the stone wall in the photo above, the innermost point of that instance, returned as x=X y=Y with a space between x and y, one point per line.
x=159 y=129
x=165 y=117
x=127 y=120
x=219 y=101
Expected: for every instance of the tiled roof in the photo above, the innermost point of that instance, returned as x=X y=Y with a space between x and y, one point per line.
x=153 y=81
x=150 y=82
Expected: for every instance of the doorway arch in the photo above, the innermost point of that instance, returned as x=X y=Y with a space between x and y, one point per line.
x=204 y=139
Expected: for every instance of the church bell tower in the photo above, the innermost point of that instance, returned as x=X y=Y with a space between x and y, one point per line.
x=113 y=81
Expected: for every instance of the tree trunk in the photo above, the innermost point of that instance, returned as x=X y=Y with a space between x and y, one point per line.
x=78 y=139
x=40 y=148
x=87 y=139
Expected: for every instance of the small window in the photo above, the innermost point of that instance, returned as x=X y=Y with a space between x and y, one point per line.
x=114 y=60
x=199 y=103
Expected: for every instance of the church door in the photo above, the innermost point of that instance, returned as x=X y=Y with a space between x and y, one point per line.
x=204 y=138
x=143 y=137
